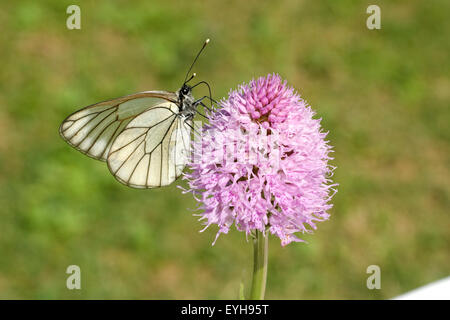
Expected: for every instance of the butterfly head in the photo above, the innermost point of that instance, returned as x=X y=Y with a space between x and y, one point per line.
x=185 y=91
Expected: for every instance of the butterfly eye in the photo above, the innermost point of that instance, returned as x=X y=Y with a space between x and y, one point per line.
x=185 y=90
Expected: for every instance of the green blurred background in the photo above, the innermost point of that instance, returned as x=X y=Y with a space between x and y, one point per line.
x=383 y=95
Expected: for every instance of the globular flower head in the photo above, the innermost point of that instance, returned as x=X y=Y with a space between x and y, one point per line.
x=262 y=163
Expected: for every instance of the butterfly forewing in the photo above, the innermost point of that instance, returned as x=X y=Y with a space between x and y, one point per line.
x=93 y=129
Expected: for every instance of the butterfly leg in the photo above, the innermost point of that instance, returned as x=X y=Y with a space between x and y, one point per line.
x=203 y=105
x=199 y=101
x=204 y=97
x=209 y=90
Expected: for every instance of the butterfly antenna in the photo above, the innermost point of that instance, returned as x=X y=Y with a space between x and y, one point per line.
x=191 y=77
x=198 y=54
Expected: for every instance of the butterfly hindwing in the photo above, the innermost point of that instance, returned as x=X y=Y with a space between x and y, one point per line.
x=151 y=151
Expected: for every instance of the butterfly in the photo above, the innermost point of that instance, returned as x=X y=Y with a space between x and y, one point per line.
x=144 y=137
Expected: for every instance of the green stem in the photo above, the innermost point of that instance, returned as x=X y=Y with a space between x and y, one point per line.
x=260 y=249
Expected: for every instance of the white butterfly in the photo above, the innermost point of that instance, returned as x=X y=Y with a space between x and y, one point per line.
x=144 y=137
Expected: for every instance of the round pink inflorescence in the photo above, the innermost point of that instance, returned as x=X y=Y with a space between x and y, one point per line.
x=267 y=100
x=262 y=163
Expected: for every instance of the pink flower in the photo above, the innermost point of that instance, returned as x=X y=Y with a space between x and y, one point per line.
x=262 y=163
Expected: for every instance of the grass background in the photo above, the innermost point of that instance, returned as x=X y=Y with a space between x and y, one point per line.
x=383 y=95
